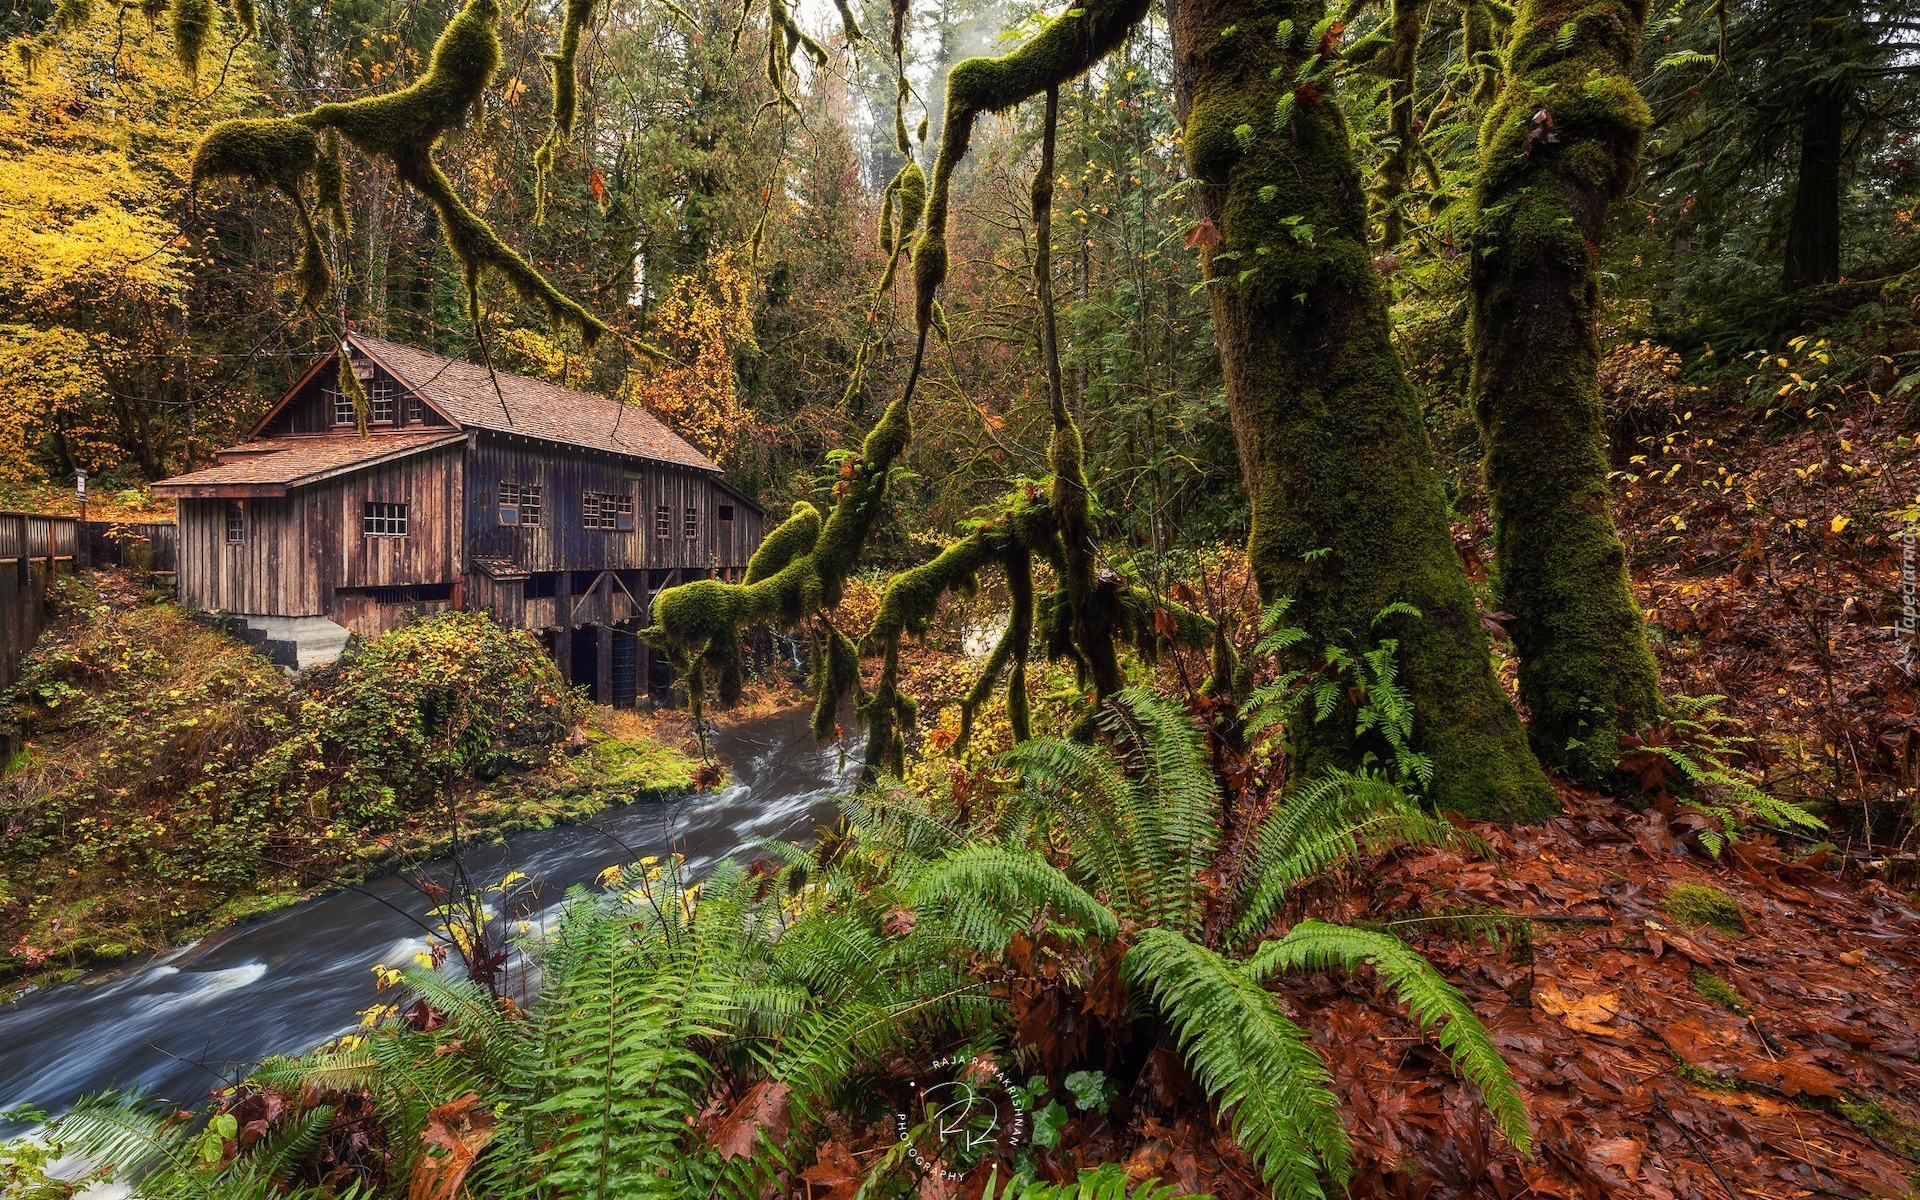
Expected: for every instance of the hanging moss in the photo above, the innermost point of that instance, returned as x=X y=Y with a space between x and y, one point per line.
x=351 y=388
x=193 y=23
x=1064 y=49
x=1560 y=145
x=906 y=198
x=330 y=181
x=403 y=127
x=1348 y=510
x=249 y=18
x=566 y=100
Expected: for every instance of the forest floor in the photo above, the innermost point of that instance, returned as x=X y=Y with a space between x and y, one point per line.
x=1681 y=1025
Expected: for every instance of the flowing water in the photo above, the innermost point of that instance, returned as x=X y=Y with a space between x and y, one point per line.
x=188 y=1020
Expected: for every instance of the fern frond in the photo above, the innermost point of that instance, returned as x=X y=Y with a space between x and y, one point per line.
x=990 y=890
x=1254 y=1062
x=1431 y=1001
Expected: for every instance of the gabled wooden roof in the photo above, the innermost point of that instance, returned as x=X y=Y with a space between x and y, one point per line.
x=274 y=468
x=465 y=394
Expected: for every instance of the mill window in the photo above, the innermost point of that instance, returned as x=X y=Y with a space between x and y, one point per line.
x=380 y=402
x=520 y=503
x=386 y=520
x=662 y=522
x=413 y=410
x=726 y=512
x=342 y=406
x=606 y=510
x=691 y=525
x=236 y=521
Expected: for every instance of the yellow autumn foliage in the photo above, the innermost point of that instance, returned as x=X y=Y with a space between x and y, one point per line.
x=94 y=270
x=703 y=325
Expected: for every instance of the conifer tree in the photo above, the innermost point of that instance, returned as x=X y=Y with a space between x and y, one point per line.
x=1562 y=142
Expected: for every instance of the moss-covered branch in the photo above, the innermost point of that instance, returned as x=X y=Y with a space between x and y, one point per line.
x=405 y=128
x=1560 y=145
x=1064 y=49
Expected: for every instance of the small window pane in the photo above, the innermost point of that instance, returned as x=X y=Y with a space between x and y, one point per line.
x=692 y=523
x=519 y=503
x=386 y=520
x=342 y=406
x=236 y=521
x=413 y=410
x=663 y=522
x=380 y=403
x=606 y=510
x=726 y=512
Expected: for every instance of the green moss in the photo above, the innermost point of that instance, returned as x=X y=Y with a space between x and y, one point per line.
x=193 y=23
x=1693 y=905
x=1701 y=1077
x=1716 y=989
x=619 y=768
x=1877 y=1120
x=404 y=127
x=1561 y=143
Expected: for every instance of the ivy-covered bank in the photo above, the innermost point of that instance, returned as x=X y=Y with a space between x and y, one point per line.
x=172 y=779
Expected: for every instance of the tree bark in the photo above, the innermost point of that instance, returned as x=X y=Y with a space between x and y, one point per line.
x=1560 y=145
x=1813 y=231
x=1348 y=511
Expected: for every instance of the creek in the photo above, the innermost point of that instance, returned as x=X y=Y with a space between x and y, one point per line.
x=195 y=1017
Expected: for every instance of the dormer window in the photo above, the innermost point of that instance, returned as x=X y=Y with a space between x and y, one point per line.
x=342 y=405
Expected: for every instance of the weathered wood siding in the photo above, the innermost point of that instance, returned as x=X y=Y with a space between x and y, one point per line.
x=560 y=542
x=301 y=551
x=311 y=408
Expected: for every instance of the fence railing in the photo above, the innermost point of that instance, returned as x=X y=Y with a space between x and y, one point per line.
x=145 y=545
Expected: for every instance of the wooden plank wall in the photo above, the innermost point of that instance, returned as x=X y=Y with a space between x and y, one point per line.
x=560 y=543
x=300 y=549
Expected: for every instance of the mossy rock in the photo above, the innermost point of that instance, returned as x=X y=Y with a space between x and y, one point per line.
x=635 y=767
x=1718 y=990
x=1695 y=904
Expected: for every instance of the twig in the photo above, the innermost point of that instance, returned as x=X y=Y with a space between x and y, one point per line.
x=1661 y=1108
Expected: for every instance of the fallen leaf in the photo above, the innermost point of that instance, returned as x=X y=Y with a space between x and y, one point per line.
x=834 y=1175
x=763 y=1109
x=1584 y=1014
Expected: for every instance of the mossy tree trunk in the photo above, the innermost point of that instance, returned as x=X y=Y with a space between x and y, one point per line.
x=1348 y=511
x=1560 y=145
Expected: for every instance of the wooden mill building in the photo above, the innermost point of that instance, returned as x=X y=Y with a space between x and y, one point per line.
x=555 y=510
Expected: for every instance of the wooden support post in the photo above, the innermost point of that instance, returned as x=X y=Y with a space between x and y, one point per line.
x=603 y=666
x=52 y=531
x=563 y=652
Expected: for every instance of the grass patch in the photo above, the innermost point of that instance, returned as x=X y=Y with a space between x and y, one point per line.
x=1696 y=904
x=1718 y=990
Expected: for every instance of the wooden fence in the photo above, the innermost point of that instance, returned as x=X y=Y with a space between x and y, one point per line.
x=31 y=544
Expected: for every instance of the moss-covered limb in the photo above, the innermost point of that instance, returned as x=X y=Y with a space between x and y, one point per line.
x=836 y=675
x=913 y=597
x=1348 y=511
x=1406 y=22
x=906 y=199
x=800 y=570
x=403 y=127
x=1562 y=143
x=566 y=100
x=789 y=540
x=1065 y=48
x=1070 y=497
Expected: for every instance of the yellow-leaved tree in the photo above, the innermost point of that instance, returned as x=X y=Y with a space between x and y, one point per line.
x=704 y=324
x=96 y=125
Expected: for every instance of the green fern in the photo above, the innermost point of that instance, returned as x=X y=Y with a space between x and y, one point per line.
x=1431 y=1001
x=1254 y=1062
